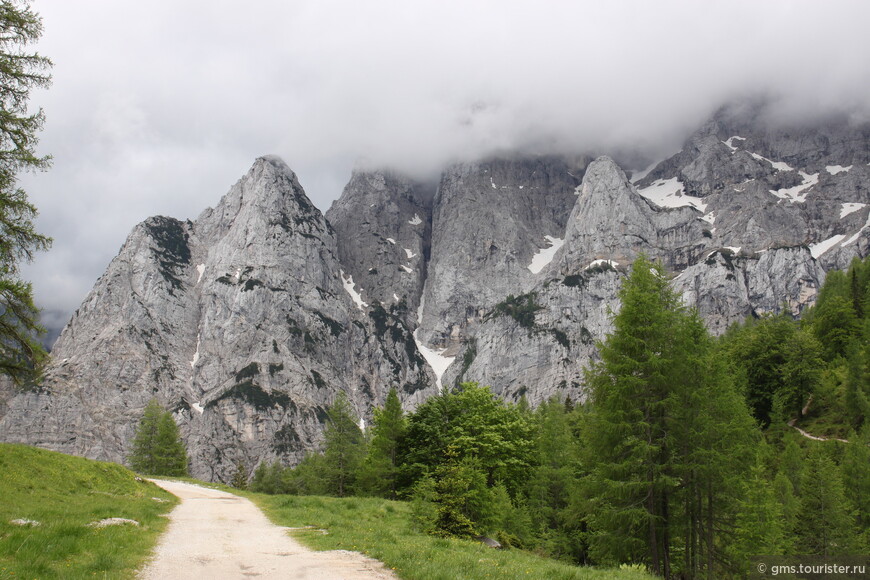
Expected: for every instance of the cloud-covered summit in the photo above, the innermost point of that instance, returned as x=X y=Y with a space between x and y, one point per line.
x=158 y=107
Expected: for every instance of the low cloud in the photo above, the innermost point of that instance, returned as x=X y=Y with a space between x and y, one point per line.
x=158 y=107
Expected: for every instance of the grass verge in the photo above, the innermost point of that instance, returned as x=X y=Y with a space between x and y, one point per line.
x=64 y=494
x=382 y=529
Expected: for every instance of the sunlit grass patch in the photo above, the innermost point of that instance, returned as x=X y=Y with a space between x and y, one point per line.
x=64 y=494
x=383 y=530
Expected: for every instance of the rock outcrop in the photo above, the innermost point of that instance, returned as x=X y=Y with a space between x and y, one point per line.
x=240 y=322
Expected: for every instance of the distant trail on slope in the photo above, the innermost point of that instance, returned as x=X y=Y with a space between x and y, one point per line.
x=813 y=437
x=216 y=535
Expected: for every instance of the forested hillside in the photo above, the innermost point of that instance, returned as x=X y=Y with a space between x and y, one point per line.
x=686 y=458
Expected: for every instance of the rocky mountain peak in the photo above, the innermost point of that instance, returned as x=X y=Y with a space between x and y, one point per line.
x=612 y=222
x=248 y=321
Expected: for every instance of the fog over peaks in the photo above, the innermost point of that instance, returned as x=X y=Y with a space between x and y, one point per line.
x=158 y=107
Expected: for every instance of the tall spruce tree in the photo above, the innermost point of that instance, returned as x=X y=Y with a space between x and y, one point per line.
x=553 y=483
x=825 y=522
x=714 y=443
x=157 y=447
x=630 y=446
x=666 y=439
x=380 y=472
x=345 y=448
x=856 y=479
x=761 y=527
x=21 y=355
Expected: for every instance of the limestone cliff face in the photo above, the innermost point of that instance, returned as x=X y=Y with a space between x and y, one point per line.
x=240 y=322
x=383 y=223
x=490 y=219
x=248 y=321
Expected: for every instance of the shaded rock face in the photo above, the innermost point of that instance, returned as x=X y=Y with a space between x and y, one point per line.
x=489 y=221
x=248 y=321
x=383 y=225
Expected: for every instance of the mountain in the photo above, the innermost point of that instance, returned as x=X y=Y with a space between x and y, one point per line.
x=249 y=320
x=241 y=322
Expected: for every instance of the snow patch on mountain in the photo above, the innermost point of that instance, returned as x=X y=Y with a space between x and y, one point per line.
x=436 y=359
x=593 y=263
x=778 y=165
x=798 y=193
x=820 y=248
x=349 y=287
x=857 y=234
x=671 y=193
x=730 y=142
x=545 y=255
x=850 y=208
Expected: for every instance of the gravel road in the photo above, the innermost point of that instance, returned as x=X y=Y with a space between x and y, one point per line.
x=216 y=535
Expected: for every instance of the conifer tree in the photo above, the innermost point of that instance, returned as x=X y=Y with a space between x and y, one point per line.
x=170 y=451
x=761 y=524
x=143 y=458
x=715 y=441
x=667 y=437
x=380 y=471
x=553 y=482
x=345 y=447
x=856 y=480
x=157 y=446
x=240 y=476
x=630 y=447
x=825 y=525
x=21 y=355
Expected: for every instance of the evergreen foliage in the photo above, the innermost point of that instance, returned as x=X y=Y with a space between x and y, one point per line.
x=666 y=437
x=379 y=474
x=240 y=477
x=21 y=355
x=157 y=447
x=778 y=365
x=825 y=525
x=345 y=448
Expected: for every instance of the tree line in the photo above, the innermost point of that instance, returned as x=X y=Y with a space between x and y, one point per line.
x=682 y=459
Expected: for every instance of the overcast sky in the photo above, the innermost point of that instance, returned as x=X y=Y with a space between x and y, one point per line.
x=158 y=107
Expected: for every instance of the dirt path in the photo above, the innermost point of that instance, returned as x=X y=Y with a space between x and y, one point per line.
x=216 y=535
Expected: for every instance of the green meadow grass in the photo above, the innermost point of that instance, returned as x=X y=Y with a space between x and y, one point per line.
x=383 y=530
x=64 y=494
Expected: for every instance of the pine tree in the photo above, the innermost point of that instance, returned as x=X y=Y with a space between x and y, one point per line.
x=856 y=479
x=170 y=452
x=380 y=471
x=268 y=477
x=461 y=497
x=667 y=437
x=240 y=476
x=825 y=525
x=715 y=441
x=761 y=525
x=21 y=355
x=142 y=458
x=553 y=482
x=157 y=446
x=629 y=444
x=345 y=447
